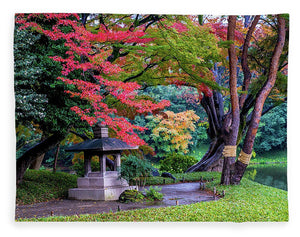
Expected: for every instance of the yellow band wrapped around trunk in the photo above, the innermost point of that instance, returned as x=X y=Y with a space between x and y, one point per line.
x=229 y=151
x=244 y=158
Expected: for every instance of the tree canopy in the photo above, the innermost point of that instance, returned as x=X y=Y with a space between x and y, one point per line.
x=74 y=70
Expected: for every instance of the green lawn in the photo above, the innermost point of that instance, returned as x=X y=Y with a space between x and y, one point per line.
x=199 y=152
x=270 y=157
x=250 y=201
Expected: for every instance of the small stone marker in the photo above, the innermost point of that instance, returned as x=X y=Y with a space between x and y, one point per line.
x=215 y=193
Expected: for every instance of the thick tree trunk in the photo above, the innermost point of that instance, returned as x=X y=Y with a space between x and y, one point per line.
x=241 y=165
x=214 y=109
x=36 y=164
x=232 y=126
x=33 y=153
x=211 y=160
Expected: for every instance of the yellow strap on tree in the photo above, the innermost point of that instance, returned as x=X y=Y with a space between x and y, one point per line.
x=244 y=158
x=229 y=151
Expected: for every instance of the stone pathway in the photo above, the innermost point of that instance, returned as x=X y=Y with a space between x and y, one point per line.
x=174 y=194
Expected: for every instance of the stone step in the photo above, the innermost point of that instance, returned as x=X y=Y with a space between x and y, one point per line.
x=108 y=194
x=101 y=174
x=101 y=182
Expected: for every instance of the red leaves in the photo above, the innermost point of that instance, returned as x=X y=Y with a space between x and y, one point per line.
x=219 y=29
x=84 y=44
x=119 y=36
x=180 y=27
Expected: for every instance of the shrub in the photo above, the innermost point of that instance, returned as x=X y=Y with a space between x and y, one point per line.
x=78 y=167
x=131 y=196
x=177 y=163
x=153 y=193
x=135 y=170
x=42 y=186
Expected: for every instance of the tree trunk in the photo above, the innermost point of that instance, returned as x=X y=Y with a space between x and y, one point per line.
x=233 y=119
x=214 y=109
x=36 y=164
x=241 y=165
x=244 y=61
x=210 y=161
x=34 y=152
x=56 y=158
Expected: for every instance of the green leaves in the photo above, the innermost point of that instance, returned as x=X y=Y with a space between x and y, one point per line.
x=225 y=44
x=135 y=169
x=177 y=163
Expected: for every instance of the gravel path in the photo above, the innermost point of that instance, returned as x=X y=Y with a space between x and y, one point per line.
x=174 y=194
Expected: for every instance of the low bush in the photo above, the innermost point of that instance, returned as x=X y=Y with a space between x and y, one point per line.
x=153 y=194
x=135 y=170
x=177 y=163
x=131 y=196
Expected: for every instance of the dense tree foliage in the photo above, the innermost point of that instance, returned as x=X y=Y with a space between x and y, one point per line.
x=73 y=70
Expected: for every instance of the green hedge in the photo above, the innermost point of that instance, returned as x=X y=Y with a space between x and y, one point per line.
x=177 y=163
x=42 y=186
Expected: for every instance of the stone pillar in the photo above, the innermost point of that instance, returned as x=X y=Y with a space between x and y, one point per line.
x=87 y=164
x=102 y=161
x=118 y=162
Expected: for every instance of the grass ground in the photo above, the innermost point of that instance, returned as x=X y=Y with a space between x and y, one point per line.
x=249 y=201
x=270 y=157
x=267 y=157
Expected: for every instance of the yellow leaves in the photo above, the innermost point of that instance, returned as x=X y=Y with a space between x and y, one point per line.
x=176 y=127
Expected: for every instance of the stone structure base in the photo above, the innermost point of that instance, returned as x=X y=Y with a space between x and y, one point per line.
x=99 y=186
x=110 y=194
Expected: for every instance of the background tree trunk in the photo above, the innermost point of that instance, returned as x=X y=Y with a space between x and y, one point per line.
x=36 y=164
x=56 y=158
x=33 y=153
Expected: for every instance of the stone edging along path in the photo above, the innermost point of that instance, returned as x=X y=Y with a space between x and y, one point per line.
x=174 y=194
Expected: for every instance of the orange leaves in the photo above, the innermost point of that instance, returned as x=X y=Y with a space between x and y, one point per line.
x=176 y=128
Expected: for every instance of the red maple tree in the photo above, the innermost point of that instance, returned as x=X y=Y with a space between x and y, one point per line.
x=87 y=54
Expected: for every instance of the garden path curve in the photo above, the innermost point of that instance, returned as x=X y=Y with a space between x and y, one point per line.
x=174 y=194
